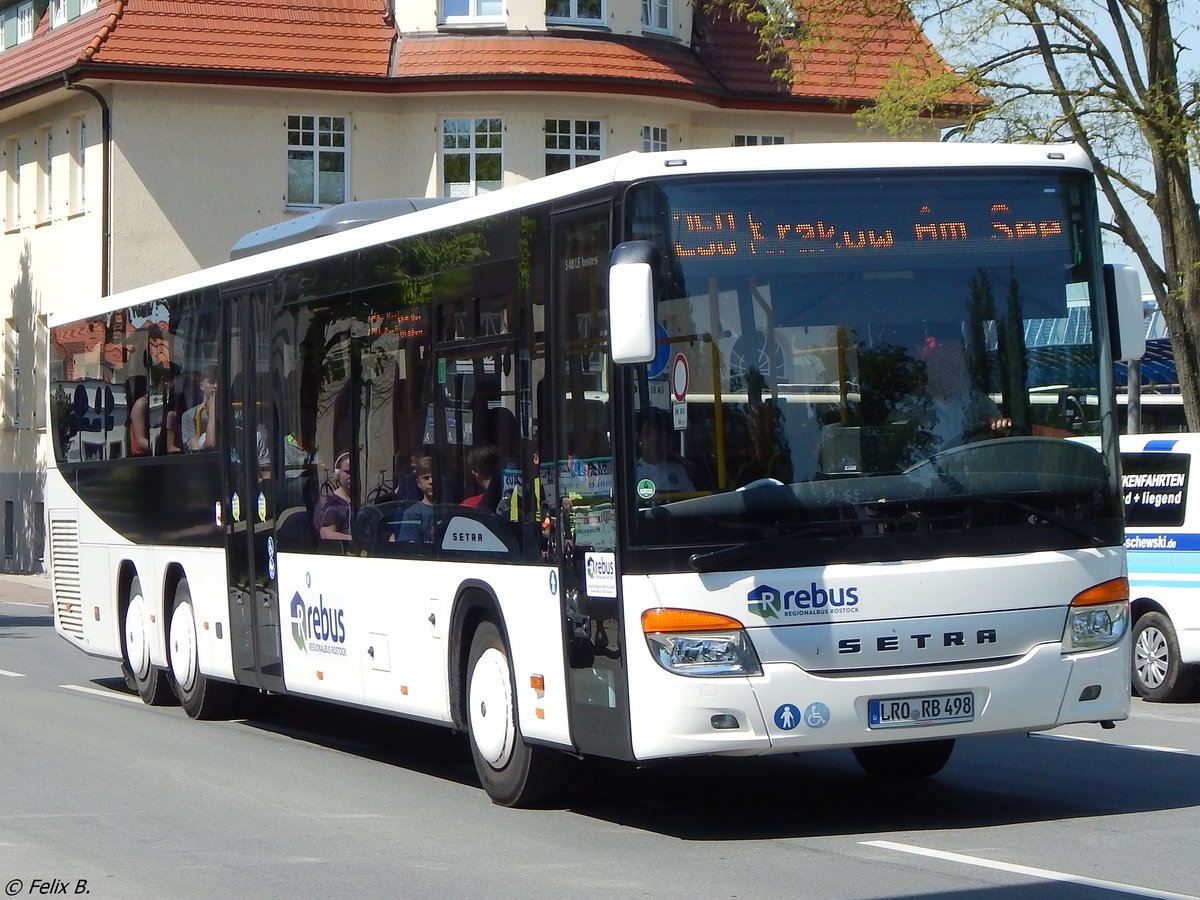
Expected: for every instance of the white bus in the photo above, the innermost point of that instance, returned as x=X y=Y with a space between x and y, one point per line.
x=1162 y=537
x=777 y=569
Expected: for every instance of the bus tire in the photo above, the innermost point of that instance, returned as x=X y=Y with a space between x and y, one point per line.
x=200 y=696
x=512 y=772
x=152 y=683
x=1158 y=673
x=904 y=762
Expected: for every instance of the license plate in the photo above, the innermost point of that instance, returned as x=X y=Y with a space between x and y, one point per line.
x=934 y=709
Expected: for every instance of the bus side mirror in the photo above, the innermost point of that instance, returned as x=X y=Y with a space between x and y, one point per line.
x=631 y=302
x=1124 y=292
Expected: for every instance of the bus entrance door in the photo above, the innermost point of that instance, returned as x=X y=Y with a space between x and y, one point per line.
x=251 y=426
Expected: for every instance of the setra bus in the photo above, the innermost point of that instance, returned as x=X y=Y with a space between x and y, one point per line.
x=673 y=454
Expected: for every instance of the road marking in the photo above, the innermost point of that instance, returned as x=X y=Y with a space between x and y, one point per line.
x=1047 y=874
x=1088 y=740
x=112 y=695
x=11 y=674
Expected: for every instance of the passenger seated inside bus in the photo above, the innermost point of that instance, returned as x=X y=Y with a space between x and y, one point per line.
x=331 y=518
x=418 y=523
x=482 y=462
x=198 y=430
x=657 y=461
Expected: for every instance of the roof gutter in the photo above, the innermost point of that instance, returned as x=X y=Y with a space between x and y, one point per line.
x=106 y=183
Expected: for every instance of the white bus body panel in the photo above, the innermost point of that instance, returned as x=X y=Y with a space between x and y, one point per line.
x=78 y=532
x=380 y=636
x=1164 y=561
x=1015 y=601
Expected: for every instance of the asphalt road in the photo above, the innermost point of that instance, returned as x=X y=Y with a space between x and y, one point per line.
x=101 y=796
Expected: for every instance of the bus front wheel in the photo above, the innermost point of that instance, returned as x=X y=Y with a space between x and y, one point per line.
x=200 y=696
x=151 y=683
x=1158 y=673
x=512 y=772
x=902 y=762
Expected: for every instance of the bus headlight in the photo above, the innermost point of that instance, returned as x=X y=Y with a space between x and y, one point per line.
x=1098 y=617
x=690 y=642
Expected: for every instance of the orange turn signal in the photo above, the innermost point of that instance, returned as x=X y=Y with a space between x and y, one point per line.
x=1113 y=591
x=669 y=620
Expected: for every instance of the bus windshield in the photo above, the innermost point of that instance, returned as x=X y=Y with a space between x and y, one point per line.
x=886 y=356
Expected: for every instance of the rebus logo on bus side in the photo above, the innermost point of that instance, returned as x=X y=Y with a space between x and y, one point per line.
x=316 y=625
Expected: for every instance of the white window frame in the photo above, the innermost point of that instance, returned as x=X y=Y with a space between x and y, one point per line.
x=25 y=23
x=12 y=178
x=573 y=17
x=78 y=128
x=86 y=6
x=463 y=136
x=472 y=14
x=12 y=373
x=655 y=138
x=583 y=140
x=59 y=14
x=321 y=137
x=45 y=175
x=758 y=140
x=655 y=12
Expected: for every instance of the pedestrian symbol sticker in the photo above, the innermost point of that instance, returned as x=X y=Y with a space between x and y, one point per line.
x=787 y=716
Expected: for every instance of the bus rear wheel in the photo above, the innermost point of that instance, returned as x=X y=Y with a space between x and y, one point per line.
x=904 y=762
x=200 y=696
x=1158 y=673
x=512 y=772
x=152 y=683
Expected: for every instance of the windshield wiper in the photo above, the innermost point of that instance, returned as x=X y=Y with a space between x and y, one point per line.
x=1084 y=531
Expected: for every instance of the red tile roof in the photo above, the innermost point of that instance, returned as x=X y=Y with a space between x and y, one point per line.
x=271 y=41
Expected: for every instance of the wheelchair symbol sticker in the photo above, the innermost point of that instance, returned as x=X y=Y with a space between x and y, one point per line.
x=787 y=716
x=816 y=715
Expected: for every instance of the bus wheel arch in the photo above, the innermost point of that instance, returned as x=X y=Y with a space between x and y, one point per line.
x=200 y=696
x=511 y=771
x=152 y=684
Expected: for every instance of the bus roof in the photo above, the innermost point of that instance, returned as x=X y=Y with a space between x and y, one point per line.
x=329 y=240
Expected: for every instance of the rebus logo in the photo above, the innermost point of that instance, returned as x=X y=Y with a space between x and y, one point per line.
x=764 y=601
x=771 y=603
x=314 y=627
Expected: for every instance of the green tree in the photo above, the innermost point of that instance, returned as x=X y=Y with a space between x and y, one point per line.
x=1117 y=77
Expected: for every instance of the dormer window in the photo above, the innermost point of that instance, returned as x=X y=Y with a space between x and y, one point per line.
x=457 y=11
x=58 y=13
x=656 y=15
x=585 y=11
x=25 y=22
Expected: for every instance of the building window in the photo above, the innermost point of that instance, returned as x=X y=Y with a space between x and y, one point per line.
x=45 y=173
x=10 y=529
x=757 y=140
x=58 y=13
x=78 y=156
x=571 y=143
x=654 y=137
x=472 y=156
x=316 y=160
x=24 y=23
x=12 y=373
x=39 y=530
x=461 y=10
x=656 y=14
x=12 y=178
x=591 y=11
x=87 y=5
